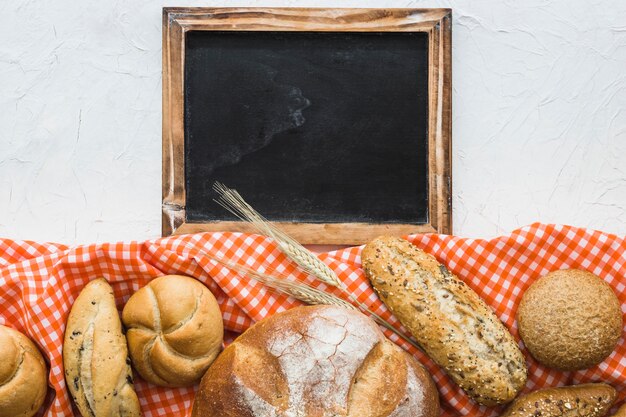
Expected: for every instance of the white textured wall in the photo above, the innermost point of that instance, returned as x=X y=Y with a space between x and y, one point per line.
x=539 y=115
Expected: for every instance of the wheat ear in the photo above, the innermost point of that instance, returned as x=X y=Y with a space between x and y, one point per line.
x=295 y=289
x=232 y=201
x=310 y=295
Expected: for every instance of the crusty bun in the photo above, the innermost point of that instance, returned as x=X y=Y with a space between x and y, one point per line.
x=95 y=357
x=23 y=375
x=449 y=320
x=570 y=320
x=586 y=400
x=315 y=361
x=174 y=330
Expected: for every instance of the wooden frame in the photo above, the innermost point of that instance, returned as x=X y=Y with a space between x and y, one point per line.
x=435 y=22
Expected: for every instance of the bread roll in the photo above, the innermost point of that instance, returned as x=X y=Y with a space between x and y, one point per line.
x=570 y=319
x=318 y=361
x=95 y=357
x=23 y=375
x=587 y=400
x=449 y=320
x=174 y=330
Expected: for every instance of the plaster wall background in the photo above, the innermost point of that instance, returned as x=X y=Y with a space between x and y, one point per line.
x=539 y=115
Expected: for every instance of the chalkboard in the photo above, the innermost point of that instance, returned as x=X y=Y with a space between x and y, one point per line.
x=311 y=127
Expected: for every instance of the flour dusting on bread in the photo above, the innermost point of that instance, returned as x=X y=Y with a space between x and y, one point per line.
x=319 y=363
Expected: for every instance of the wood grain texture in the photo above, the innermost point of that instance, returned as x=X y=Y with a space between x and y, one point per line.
x=435 y=22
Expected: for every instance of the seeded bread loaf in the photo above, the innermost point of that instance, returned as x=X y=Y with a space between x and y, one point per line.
x=586 y=400
x=449 y=320
x=316 y=361
x=95 y=356
x=570 y=320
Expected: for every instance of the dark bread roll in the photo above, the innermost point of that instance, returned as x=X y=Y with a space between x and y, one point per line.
x=317 y=361
x=450 y=321
x=586 y=400
x=570 y=319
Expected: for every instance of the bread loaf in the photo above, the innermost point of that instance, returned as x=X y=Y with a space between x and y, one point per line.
x=23 y=375
x=449 y=320
x=95 y=357
x=174 y=330
x=570 y=319
x=320 y=361
x=586 y=400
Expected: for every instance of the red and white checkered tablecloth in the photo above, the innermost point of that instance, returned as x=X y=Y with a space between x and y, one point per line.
x=39 y=282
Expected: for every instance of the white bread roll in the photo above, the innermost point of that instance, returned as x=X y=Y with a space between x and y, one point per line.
x=319 y=361
x=23 y=375
x=95 y=356
x=174 y=330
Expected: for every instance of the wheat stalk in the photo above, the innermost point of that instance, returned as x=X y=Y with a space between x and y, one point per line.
x=232 y=201
x=310 y=295
x=295 y=289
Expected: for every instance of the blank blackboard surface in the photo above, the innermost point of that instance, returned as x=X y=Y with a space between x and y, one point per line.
x=311 y=127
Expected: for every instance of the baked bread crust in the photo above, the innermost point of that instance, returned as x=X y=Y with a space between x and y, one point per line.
x=95 y=356
x=23 y=375
x=570 y=319
x=174 y=330
x=585 y=400
x=448 y=319
x=315 y=361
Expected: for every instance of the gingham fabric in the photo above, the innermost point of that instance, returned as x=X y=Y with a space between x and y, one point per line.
x=39 y=282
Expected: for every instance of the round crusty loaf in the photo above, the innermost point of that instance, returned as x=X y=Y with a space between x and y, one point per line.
x=174 y=330
x=570 y=320
x=23 y=375
x=319 y=361
x=585 y=400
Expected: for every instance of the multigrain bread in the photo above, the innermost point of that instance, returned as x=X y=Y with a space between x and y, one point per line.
x=586 y=400
x=447 y=318
x=23 y=375
x=95 y=357
x=174 y=330
x=570 y=319
x=316 y=361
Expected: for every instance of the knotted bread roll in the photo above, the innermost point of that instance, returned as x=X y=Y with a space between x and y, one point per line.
x=174 y=330
x=317 y=361
x=23 y=375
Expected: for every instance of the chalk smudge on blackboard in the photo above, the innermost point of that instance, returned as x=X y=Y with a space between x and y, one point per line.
x=259 y=106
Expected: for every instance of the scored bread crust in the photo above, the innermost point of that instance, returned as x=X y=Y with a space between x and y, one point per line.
x=315 y=361
x=448 y=319
x=95 y=356
x=585 y=400
x=23 y=375
x=174 y=330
